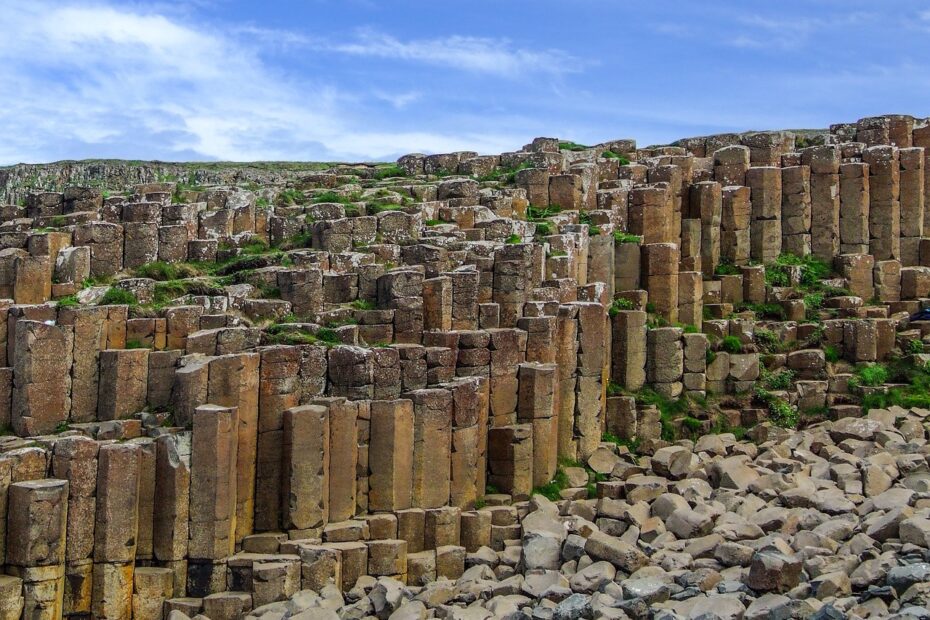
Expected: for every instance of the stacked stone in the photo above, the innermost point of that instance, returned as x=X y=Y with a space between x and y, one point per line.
x=766 y=196
x=32 y=281
x=402 y=291
x=464 y=297
x=626 y=266
x=660 y=278
x=665 y=360
x=706 y=204
x=473 y=359
x=123 y=383
x=116 y=530
x=390 y=458
x=140 y=233
x=171 y=516
x=734 y=246
x=303 y=288
x=921 y=139
x=796 y=210
x=41 y=398
x=650 y=215
x=592 y=370
x=35 y=555
x=628 y=349
x=233 y=382
x=432 y=436
x=510 y=459
x=824 y=163
x=884 y=202
x=212 y=498
x=470 y=401
x=512 y=265
x=536 y=407
x=567 y=347
x=105 y=241
x=94 y=329
x=305 y=470
x=911 y=194
x=75 y=460
x=854 y=208
x=694 y=349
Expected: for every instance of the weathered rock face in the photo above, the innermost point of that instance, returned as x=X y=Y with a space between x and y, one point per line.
x=347 y=391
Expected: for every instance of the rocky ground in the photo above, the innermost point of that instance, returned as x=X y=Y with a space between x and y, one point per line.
x=828 y=522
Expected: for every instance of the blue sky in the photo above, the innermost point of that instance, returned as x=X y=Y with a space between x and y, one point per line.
x=365 y=79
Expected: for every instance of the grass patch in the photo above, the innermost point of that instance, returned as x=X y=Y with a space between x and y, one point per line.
x=291 y=197
x=731 y=344
x=71 y=301
x=534 y=213
x=363 y=304
x=608 y=154
x=507 y=175
x=568 y=145
x=552 y=490
x=390 y=171
x=620 y=304
x=622 y=237
x=831 y=353
x=118 y=297
x=514 y=239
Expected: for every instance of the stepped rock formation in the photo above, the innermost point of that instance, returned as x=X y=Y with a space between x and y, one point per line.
x=683 y=381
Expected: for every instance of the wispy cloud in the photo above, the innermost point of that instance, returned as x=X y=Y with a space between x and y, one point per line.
x=476 y=54
x=121 y=82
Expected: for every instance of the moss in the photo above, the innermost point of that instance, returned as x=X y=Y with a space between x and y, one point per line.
x=71 y=301
x=568 y=145
x=620 y=304
x=389 y=171
x=831 y=353
x=608 y=154
x=731 y=344
x=622 y=237
x=136 y=344
x=118 y=297
x=552 y=490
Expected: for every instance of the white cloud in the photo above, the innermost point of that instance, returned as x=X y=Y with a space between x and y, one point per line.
x=97 y=79
x=476 y=54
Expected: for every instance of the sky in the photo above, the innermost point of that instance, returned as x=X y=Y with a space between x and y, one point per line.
x=367 y=80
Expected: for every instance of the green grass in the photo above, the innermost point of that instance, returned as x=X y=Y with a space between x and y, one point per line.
x=70 y=301
x=291 y=196
x=568 y=145
x=631 y=444
x=831 y=353
x=136 y=344
x=118 y=297
x=622 y=237
x=552 y=490
x=813 y=270
x=433 y=222
x=507 y=175
x=620 y=304
x=534 y=213
x=543 y=229
x=163 y=272
x=872 y=375
x=765 y=311
x=781 y=413
x=731 y=344
x=727 y=269
x=389 y=171
x=331 y=196
x=514 y=239
x=780 y=380
x=611 y=155
x=914 y=346
x=363 y=304
x=327 y=335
